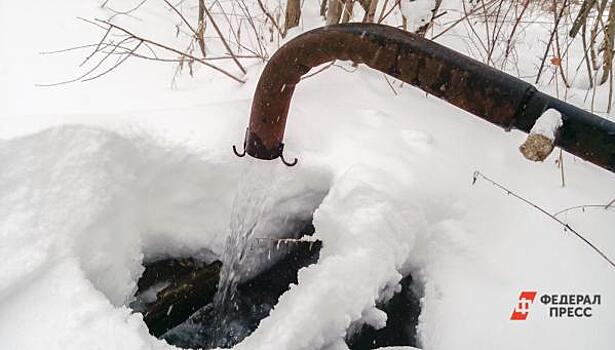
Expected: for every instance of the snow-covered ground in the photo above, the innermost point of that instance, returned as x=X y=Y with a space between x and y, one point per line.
x=97 y=176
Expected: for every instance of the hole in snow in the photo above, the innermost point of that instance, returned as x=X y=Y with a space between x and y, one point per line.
x=402 y=311
x=176 y=294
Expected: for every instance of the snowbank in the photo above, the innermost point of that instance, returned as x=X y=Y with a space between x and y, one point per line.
x=82 y=206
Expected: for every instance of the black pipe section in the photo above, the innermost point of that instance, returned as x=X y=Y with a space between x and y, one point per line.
x=488 y=93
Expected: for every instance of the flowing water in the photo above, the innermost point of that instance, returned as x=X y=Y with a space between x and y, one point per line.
x=249 y=207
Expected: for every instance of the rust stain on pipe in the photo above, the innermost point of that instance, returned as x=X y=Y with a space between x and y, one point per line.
x=490 y=94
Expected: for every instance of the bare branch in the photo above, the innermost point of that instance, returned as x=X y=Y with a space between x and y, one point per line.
x=123 y=13
x=200 y=31
x=553 y=32
x=162 y=46
x=181 y=16
x=583 y=207
x=273 y=21
x=566 y=226
x=86 y=74
x=228 y=48
x=318 y=71
x=117 y=64
x=102 y=40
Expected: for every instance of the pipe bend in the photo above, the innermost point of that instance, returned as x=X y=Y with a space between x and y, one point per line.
x=462 y=81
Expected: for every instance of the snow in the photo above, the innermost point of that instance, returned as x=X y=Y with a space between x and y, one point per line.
x=367 y=239
x=548 y=124
x=98 y=177
x=60 y=309
x=417 y=12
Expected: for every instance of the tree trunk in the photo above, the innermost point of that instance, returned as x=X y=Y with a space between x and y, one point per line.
x=200 y=31
x=334 y=11
x=370 y=12
x=581 y=19
x=293 y=14
x=609 y=38
x=323 y=8
x=347 y=14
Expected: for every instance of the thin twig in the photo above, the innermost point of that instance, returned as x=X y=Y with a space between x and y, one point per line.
x=74 y=48
x=90 y=71
x=382 y=11
x=318 y=71
x=273 y=21
x=154 y=58
x=390 y=85
x=224 y=42
x=553 y=32
x=117 y=64
x=125 y=13
x=561 y=167
x=478 y=37
x=181 y=16
x=145 y=40
x=250 y=19
x=586 y=56
x=566 y=226
x=514 y=29
x=102 y=40
x=583 y=207
x=463 y=18
x=382 y=18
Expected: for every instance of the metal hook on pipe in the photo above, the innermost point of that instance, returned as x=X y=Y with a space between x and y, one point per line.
x=293 y=163
x=240 y=155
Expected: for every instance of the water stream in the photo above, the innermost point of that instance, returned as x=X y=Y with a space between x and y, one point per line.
x=249 y=206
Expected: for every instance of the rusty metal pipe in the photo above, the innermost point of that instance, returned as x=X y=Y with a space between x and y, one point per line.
x=490 y=94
